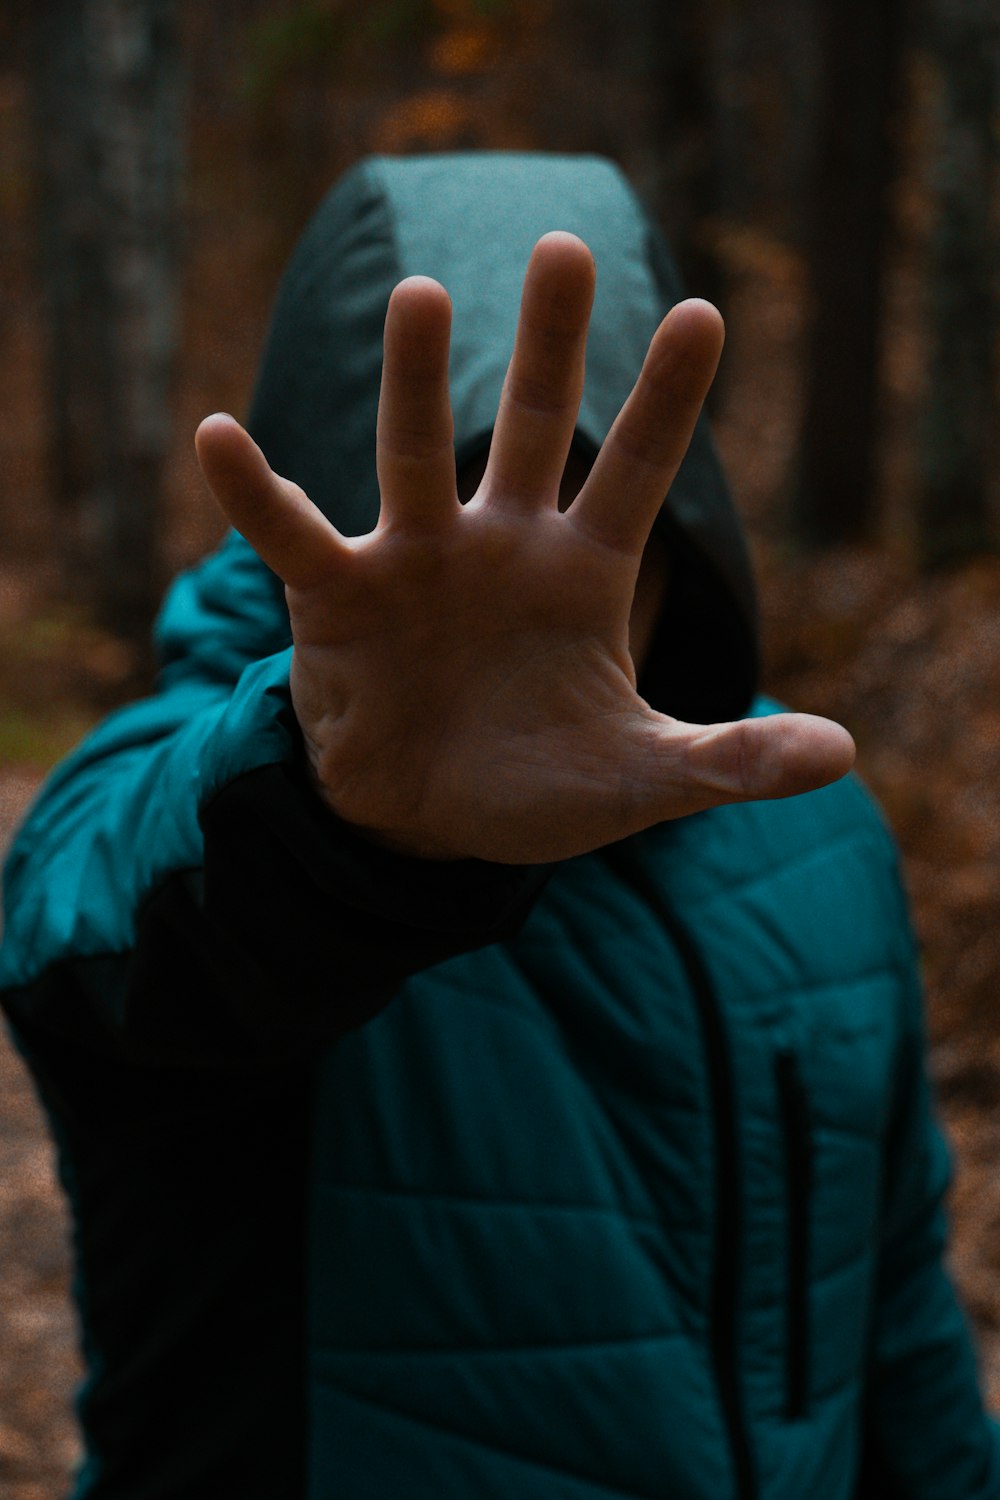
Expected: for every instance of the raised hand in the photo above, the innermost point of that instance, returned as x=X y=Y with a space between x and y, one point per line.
x=462 y=675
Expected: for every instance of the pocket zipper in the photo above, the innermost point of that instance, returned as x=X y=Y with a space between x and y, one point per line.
x=796 y=1128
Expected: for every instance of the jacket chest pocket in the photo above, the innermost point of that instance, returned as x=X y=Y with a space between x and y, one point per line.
x=797 y=1159
x=833 y=1093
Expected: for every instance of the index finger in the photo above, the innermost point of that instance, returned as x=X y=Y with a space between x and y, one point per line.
x=650 y=436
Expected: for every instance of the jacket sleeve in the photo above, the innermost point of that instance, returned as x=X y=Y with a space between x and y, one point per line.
x=928 y=1436
x=178 y=895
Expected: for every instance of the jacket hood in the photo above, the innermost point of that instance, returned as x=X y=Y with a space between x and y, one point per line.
x=470 y=221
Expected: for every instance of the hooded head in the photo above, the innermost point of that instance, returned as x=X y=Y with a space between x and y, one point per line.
x=470 y=221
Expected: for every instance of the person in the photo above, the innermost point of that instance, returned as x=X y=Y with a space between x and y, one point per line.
x=482 y=1036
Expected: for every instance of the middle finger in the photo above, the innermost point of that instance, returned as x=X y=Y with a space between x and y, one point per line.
x=544 y=383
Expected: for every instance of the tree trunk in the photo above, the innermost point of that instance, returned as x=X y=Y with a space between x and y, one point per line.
x=847 y=241
x=682 y=144
x=957 y=439
x=761 y=68
x=108 y=115
x=639 y=69
x=757 y=71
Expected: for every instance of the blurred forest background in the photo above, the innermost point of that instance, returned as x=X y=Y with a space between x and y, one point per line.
x=827 y=172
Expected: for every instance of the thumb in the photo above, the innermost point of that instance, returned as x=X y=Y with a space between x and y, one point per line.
x=780 y=755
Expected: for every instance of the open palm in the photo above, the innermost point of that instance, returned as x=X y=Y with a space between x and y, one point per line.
x=462 y=675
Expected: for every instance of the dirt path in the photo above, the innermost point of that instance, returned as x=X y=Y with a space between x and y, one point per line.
x=40 y=1365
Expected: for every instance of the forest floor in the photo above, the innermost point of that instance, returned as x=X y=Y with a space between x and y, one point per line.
x=40 y=1365
x=911 y=665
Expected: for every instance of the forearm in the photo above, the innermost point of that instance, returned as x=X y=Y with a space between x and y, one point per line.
x=180 y=895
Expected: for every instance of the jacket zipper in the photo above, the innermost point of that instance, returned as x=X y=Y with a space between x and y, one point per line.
x=796 y=1130
x=726 y=1263
x=726 y=1274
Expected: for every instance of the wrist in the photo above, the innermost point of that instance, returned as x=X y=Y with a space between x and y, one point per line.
x=393 y=842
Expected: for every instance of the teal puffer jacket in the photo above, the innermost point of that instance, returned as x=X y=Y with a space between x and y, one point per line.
x=398 y=1181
